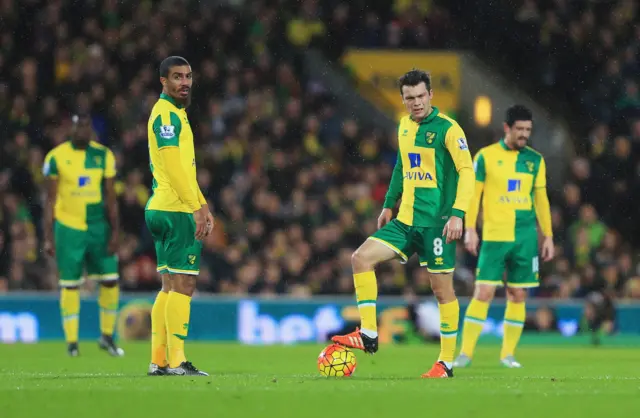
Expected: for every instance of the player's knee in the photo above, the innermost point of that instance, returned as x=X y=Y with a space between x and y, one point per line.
x=360 y=262
x=484 y=293
x=442 y=286
x=184 y=284
x=516 y=295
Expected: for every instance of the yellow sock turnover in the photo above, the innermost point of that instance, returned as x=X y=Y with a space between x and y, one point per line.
x=514 y=317
x=449 y=318
x=366 y=295
x=177 y=317
x=108 y=299
x=70 y=312
x=474 y=320
x=159 y=330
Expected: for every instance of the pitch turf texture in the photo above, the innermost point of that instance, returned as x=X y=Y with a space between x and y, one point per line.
x=282 y=381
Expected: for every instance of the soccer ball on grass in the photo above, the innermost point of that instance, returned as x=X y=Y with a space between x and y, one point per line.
x=336 y=361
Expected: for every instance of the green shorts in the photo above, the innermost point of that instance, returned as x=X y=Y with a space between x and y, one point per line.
x=174 y=235
x=77 y=250
x=433 y=251
x=518 y=258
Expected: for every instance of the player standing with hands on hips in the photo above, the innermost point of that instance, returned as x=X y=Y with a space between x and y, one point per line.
x=178 y=218
x=434 y=178
x=511 y=180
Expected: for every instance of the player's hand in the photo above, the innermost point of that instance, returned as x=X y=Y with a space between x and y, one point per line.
x=453 y=229
x=200 y=217
x=210 y=223
x=548 y=249
x=385 y=217
x=471 y=241
x=49 y=248
x=112 y=247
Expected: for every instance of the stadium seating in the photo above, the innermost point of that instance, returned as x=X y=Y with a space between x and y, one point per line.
x=295 y=187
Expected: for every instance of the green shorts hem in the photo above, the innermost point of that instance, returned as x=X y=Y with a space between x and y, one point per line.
x=500 y=283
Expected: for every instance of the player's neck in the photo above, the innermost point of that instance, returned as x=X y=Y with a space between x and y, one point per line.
x=508 y=145
x=177 y=102
x=81 y=145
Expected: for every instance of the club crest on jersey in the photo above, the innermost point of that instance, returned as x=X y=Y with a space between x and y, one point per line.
x=167 y=131
x=462 y=144
x=430 y=137
x=530 y=166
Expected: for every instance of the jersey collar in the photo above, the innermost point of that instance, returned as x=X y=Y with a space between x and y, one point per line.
x=431 y=117
x=504 y=145
x=170 y=100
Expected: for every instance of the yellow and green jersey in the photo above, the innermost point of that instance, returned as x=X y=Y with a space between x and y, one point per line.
x=169 y=127
x=433 y=173
x=512 y=185
x=80 y=174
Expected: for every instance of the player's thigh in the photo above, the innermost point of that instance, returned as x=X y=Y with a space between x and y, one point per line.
x=391 y=241
x=70 y=246
x=181 y=248
x=101 y=266
x=522 y=270
x=492 y=262
x=434 y=252
x=159 y=225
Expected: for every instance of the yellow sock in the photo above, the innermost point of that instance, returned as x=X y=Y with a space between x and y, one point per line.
x=108 y=299
x=70 y=312
x=449 y=318
x=367 y=294
x=177 y=317
x=514 y=317
x=159 y=330
x=473 y=323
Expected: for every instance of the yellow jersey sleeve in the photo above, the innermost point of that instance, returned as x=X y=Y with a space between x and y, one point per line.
x=541 y=177
x=541 y=201
x=474 y=208
x=456 y=144
x=110 y=165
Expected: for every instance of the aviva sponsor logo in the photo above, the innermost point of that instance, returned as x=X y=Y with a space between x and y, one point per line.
x=519 y=200
x=414 y=175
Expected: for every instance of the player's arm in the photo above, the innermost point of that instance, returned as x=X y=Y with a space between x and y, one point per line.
x=111 y=200
x=205 y=205
x=543 y=211
x=395 y=186
x=456 y=144
x=50 y=171
x=471 y=217
x=167 y=129
x=541 y=201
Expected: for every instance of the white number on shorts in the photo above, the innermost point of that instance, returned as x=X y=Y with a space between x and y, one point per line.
x=535 y=264
x=437 y=247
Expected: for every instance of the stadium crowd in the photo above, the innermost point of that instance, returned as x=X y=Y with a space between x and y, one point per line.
x=295 y=186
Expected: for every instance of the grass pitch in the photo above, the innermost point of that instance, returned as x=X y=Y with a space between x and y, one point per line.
x=41 y=381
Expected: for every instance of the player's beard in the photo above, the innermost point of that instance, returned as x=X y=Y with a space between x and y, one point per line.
x=185 y=101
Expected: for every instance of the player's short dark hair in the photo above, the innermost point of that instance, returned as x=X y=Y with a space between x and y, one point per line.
x=415 y=77
x=518 y=113
x=169 y=62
